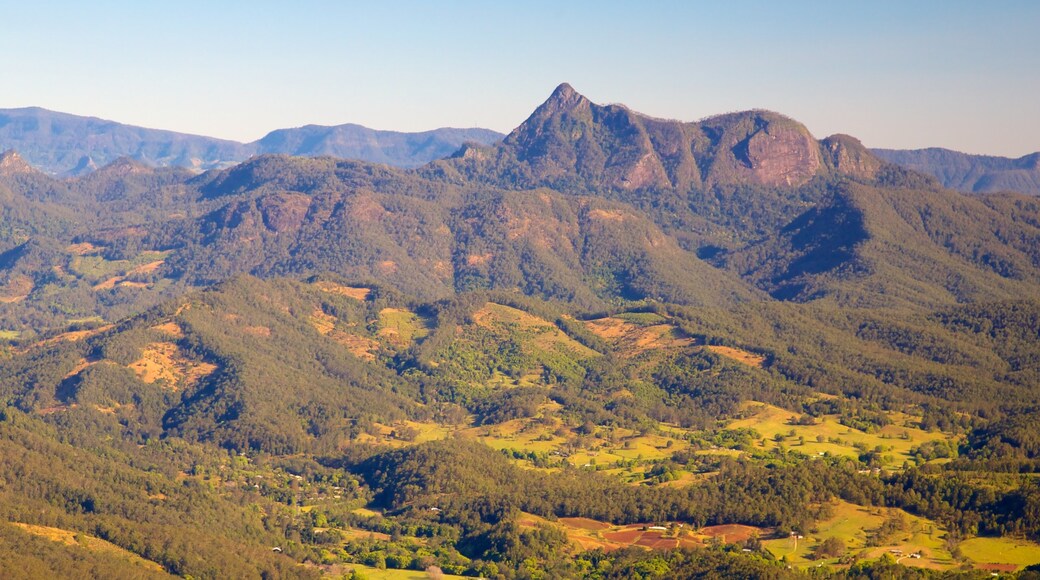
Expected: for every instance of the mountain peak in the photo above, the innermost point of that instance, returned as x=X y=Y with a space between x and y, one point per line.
x=124 y=166
x=84 y=166
x=11 y=163
x=564 y=98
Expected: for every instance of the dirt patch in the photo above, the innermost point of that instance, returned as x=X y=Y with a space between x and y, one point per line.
x=356 y=534
x=322 y=322
x=608 y=215
x=648 y=539
x=80 y=367
x=146 y=268
x=261 y=331
x=731 y=533
x=387 y=267
x=739 y=355
x=623 y=536
x=632 y=339
x=16 y=290
x=585 y=524
x=82 y=249
x=161 y=361
x=360 y=346
x=356 y=293
x=479 y=259
x=73 y=336
x=171 y=329
x=110 y=283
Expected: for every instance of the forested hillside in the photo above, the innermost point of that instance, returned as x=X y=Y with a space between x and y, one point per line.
x=608 y=346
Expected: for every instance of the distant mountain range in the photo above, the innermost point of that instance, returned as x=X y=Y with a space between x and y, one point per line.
x=971 y=173
x=70 y=145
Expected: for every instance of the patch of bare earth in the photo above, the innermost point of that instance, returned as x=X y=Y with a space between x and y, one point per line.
x=73 y=336
x=356 y=293
x=82 y=249
x=16 y=290
x=360 y=346
x=731 y=533
x=161 y=361
x=171 y=329
x=632 y=339
x=585 y=523
x=739 y=355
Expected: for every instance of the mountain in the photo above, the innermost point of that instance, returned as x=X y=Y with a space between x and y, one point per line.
x=605 y=346
x=57 y=142
x=63 y=144
x=357 y=142
x=569 y=140
x=971 y=173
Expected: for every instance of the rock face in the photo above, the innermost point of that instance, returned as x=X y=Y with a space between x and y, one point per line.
x=759 y=147
x=847 y=155
x=83 y=167
x=569 y=139
x=11 y=164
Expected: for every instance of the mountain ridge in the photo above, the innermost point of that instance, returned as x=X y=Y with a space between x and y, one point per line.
x=65 y=144
x=971 y=173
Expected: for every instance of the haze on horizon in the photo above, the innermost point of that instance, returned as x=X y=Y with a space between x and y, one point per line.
x=960 y=75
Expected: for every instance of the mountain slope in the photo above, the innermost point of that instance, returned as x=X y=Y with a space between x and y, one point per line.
x=571 y=142
x=357 y=142
x=971 y=173
x=59 y=143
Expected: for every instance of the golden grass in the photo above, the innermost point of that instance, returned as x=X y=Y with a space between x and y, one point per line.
x=360 y=346
x=851 y=524
x=82 y=249
x=343 y=570
x=547 y=335
x=401 y=327
x=162 y=361
x=88 y=542
x=17 y=289
x=631 y=339
x=73 y=336
x=357 y=293
x=1019 y=553
x=171 y=329
x=739 y=355
x=769 y=421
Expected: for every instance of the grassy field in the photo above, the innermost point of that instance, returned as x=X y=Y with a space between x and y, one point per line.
x=9 y=334
x=896 y=439
x=984 y=551
x=371 y=573
x=70 y=538
x=96 y=268
x=543 y=334
x=402 y=327
x=851 y=524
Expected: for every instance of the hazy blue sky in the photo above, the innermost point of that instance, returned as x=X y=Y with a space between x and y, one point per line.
x=904 y=74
